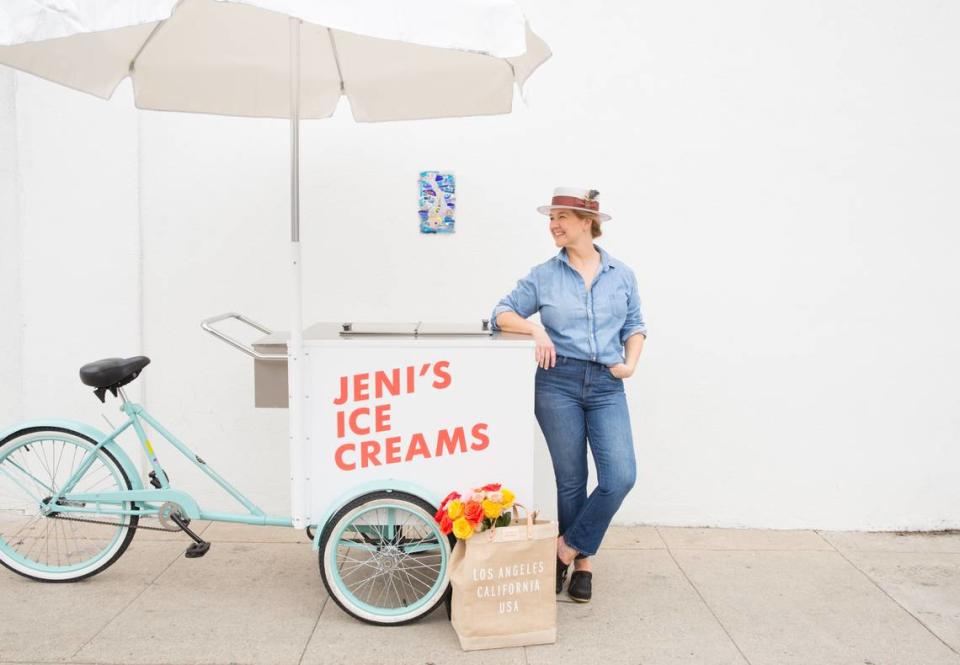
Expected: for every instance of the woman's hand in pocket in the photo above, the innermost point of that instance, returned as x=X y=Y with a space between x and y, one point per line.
x=621 y=371
x=545 y=352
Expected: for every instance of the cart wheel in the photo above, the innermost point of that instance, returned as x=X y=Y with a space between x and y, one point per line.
x=53 y=546
x=383 y=558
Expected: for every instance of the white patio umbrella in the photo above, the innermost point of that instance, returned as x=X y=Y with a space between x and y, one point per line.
x=393 y=60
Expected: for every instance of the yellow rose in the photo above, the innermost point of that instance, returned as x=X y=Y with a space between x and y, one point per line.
x=455 y=509
x=462 y=528
x=492 y=509
x=508 y=498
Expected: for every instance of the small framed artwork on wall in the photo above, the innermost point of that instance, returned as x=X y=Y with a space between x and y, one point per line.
x=437 y=201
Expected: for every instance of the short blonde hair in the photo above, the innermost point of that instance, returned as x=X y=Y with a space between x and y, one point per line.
x=594 y=221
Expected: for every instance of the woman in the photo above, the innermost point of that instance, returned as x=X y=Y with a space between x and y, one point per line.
x=589 y=343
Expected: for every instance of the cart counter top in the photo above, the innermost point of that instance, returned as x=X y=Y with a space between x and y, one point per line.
x=393 y=333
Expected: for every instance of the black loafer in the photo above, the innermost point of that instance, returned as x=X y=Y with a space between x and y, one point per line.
x=561 y=574
x=580 y=586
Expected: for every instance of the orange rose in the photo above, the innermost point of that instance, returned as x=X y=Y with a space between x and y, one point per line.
x=491 y=487
x=473 y=511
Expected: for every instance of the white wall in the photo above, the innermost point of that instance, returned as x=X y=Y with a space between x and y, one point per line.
x=11 y=316
x=78 y=242
x=781 y=180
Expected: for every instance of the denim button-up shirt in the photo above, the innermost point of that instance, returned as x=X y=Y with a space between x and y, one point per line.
x=590 y=324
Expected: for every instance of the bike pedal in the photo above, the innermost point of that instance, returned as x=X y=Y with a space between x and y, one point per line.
x=197 y=550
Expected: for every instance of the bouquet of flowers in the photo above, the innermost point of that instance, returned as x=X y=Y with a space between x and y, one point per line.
x=485 y=507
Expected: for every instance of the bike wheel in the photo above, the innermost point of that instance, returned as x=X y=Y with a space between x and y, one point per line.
x=34 y=463
x=383 y=558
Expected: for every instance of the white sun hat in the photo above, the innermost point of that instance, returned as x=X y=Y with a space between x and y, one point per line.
x=575 y=198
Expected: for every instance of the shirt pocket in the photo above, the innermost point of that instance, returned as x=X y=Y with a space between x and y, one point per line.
x=618 y=305
x=555 y=310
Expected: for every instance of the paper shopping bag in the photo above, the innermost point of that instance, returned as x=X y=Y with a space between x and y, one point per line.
x=503 y=583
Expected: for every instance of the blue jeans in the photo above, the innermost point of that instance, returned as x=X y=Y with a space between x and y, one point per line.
x=576 y=401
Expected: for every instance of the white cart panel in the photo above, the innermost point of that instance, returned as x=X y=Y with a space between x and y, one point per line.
x=452 y=413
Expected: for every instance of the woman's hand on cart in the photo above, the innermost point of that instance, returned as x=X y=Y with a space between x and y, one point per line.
x=545 y=352
x=621 y=371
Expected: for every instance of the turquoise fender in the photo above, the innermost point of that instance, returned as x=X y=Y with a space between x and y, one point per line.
x=133 y=473
x=384 y=484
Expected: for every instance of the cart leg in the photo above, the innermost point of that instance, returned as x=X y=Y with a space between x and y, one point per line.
x=295 y=349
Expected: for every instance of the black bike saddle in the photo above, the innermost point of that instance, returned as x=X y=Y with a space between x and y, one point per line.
x=111 y=373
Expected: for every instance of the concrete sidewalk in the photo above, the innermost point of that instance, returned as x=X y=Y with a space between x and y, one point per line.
x=662 y=595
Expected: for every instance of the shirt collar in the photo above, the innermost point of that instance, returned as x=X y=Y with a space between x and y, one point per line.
x=604 y=257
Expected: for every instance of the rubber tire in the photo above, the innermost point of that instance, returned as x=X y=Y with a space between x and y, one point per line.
x=360 y=500
x=134 y=519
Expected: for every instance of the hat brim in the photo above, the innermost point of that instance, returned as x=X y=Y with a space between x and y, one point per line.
x=546 y=211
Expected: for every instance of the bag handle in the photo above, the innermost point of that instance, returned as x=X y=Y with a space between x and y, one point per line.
x=516 y=513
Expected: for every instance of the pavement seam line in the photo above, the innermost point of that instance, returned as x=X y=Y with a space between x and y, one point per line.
x=751 y=549
x=77 y=662
x=124 y=608
x=894 y=600
x=663 y=541
x=72 y=662
x=882 y=550
x=705 y=603
x=314 y=631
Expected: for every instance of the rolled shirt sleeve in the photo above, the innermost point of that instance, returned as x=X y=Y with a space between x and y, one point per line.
x=634 y=323
x=523 y=300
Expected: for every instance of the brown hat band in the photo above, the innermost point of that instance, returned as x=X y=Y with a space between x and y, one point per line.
x=589 y=204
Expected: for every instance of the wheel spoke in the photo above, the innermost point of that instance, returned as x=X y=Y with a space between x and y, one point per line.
x=40 y=486
x=35 y=498
x=359 y=546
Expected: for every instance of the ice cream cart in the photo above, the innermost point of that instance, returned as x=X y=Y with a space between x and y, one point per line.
x=395 y=416
x=408 y=410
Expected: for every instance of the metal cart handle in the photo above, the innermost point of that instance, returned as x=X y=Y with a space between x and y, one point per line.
x=207 y=324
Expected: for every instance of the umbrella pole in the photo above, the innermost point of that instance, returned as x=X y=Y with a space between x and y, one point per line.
x=295 y=348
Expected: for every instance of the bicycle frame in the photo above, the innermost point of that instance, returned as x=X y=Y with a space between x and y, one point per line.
x=140 y=497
